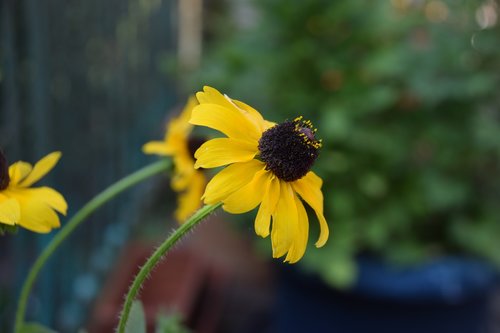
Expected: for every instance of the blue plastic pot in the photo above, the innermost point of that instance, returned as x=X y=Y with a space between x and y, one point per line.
x=446 y=295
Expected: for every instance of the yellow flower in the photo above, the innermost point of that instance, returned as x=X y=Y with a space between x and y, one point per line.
x=31 y=208
x=187 y=181
x=268 y=164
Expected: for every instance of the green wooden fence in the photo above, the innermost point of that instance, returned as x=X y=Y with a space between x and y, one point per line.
x=86 y=78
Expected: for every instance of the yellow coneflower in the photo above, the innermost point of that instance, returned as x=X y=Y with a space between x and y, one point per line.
x=187 y=181
x=30 y=208
x=268 y=164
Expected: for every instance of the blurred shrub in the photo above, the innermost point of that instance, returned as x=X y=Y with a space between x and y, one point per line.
x=404 y=95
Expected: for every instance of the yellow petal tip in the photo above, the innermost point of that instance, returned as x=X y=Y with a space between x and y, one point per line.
x=56 y=153
x=262 y=234
x=320 y=243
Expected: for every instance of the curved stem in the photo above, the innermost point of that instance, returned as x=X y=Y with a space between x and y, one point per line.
x=95 y=203
x=156 y=257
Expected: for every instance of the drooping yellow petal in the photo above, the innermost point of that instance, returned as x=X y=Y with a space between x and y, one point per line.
x=271 y=196
x=157 y=147
x=228 y=121
x=285 y=221
x=299 y=244
x=49 y=196
x=190 y=200
x=249 y=196
x=223 y=151
x=41 y=168
x=230 y=179
x=309 y=189
x=18 y=171
x=9 y=210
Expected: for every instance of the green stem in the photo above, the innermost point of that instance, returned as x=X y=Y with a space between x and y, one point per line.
x=95 y=203
x=155 y=258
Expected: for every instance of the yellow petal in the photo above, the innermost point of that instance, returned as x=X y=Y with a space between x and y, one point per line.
x=183 y=172
x=309 y=189
x=182 y=121
x=299 y=244
x=249 y=196
x=285 y=225
x=41 y=168
x=49 y=196
x=230 y=179
x=190 y=200
x=254 y=114
x=176 y=134
x=37 y=216
x=229 y=121
x=263 y=219
x=211 y=95
x=18 y=171
x=179 y=128
x=223 y=151
x=9 y=210
x=157 y=147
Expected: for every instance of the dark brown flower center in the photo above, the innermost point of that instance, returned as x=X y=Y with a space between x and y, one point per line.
x=4 y=172
x=194 y=143
x=289 y=149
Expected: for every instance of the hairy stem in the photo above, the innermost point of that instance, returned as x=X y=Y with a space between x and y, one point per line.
x=156 y=257
x=94 y=204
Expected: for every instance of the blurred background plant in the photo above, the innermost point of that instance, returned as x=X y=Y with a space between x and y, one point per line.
x=404 y=95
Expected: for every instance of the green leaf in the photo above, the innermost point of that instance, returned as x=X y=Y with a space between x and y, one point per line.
x=36 y=328
x=137 y=319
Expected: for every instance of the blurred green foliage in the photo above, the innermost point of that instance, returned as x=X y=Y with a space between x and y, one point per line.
x=404 y=95
x=172 y=323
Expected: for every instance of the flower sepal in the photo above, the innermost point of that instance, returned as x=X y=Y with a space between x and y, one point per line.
x=8 y=229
